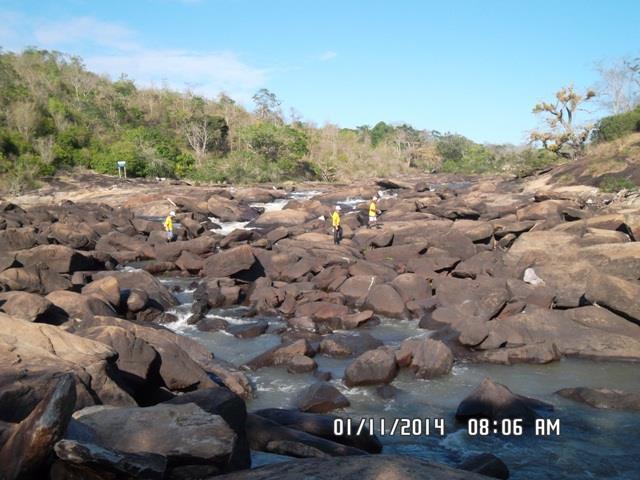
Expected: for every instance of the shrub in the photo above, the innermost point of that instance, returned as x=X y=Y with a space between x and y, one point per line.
x=616 y=126
x=613 y=184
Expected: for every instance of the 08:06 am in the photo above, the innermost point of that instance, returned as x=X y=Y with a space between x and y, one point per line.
x=511 y=426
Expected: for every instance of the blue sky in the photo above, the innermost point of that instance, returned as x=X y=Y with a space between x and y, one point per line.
x=471 y=67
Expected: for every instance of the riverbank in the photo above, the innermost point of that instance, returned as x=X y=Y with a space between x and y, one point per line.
x=464 y=278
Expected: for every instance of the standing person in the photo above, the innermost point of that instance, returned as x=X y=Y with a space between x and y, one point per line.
x=337 y=229
x=168 y=225
x=373 y=212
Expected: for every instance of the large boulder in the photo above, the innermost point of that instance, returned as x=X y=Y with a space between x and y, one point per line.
x=27 y=306
x=182 y=360
x=239 y=262
x=323 y=426
x=342 y=345
x=385 y=300
x=226 y=210
x=323 y=312
x=184 y=434
x=33 y=357
x=495 y=401
x=30 y=443
x=371 y=368
x=398 y=255
x=389 y=467
x=603 y=319
x=78 y=235
x=124 y=247
x=89 y=460
x=136 y=358
x=107 y=288
x=411 y=287
x=426 y=357
x=17 y=239
x=536 y=326
x=603 y=398
x=222 y=401
x=321 y=397
x=355 y=289
x=281 y=355
x=75 y=305
x=34 y=279
x=170 y=252
x=267 y=435
x=282 y=218
x=58 y=258
x=616 y=294
x=159 y=296
x=258 y=195
x=482 y=298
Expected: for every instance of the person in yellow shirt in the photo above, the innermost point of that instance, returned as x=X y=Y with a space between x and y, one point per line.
x=335 y=222
x=373 y=213
x=168 y=225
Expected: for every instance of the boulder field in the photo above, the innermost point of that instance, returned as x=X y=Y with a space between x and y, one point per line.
x=93 y=385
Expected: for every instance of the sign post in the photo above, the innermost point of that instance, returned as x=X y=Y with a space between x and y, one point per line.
x=122 y=168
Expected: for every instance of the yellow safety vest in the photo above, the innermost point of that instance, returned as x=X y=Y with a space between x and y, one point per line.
x=335 y=217
x=373 y=211
x=168 y=224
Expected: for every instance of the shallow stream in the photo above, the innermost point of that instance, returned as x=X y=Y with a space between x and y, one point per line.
x=592 y=443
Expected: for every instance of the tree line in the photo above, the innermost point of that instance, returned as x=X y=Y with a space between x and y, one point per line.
x=56 y=115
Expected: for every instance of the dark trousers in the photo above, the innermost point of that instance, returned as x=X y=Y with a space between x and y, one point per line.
x=337 y=235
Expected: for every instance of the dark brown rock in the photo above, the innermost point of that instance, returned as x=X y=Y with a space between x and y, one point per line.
x=280 y=355
x=26 y=306
x=371 y=368
x=486 y=464
x=603 y=398
x=31 y=442
x=238 y=262
x=342 y=345
x=386 y=301
x=321 y=397
x=496 y=402
x=427 y=358
x=322 y=426
x=107 y=288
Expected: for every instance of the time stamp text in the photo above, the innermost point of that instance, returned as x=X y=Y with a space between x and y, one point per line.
x=542 y=427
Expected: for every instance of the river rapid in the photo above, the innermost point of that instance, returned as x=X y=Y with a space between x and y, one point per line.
x=592 y=443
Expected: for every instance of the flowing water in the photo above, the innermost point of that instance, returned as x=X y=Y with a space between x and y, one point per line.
x=592 y=443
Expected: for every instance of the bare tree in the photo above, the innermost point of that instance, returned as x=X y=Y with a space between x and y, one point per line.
x=199 y=137
x=24 y=117
x=619 y=85
x=44 y=147
x=563 y=135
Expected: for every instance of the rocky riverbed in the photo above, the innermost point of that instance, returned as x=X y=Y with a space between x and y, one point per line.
x=124 y=356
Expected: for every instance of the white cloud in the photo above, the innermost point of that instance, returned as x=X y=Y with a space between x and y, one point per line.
x=207 y=73
x=328 y=55
x=83 y=30
x=113 y=49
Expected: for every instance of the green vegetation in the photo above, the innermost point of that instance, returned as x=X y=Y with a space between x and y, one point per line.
x=617 y=126
x=613 y=184
x=56 y=115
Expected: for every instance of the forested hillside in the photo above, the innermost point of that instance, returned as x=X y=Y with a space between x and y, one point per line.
x=55 y=114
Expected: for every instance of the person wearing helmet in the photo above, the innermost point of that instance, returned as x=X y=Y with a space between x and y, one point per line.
x=373 y=212
x=335 y=222
x=168 y=225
